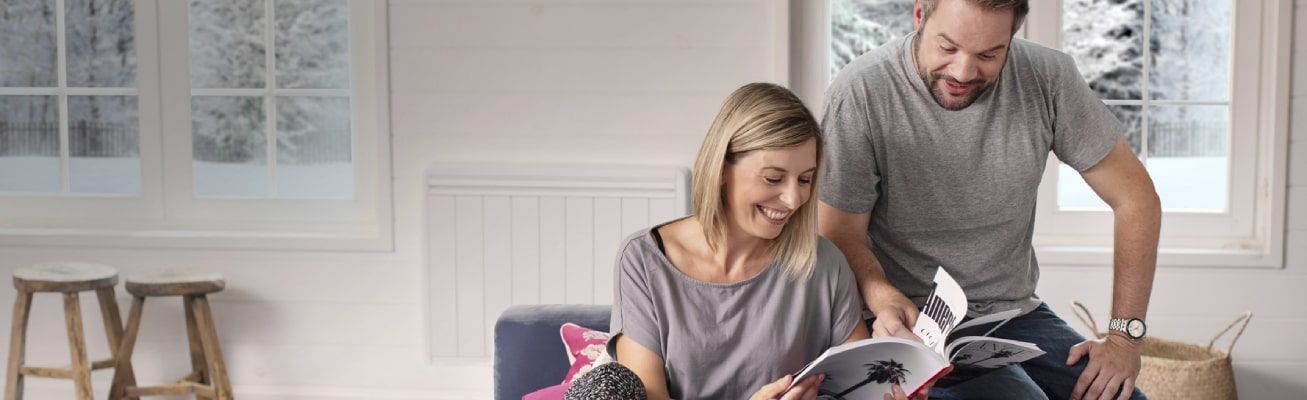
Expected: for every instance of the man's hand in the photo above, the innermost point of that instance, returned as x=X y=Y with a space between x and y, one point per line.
x=1113 y=366
x=895 y=314
x=804 y=390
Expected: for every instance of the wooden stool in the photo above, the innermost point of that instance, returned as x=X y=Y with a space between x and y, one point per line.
x=208 y=378
x=68 y=279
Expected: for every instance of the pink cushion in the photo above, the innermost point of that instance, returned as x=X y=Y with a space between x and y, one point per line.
x=586 y=349
x=550 y=393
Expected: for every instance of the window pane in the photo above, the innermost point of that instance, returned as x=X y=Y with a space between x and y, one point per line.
x=227 y=44
x=27 y=53
x=229 y=146
x=1188 y=156
x=101 y=43
x=1106 y=40
x=1183 y=32
x=1072 y=191
x=858 y=26
x=102 y=142
x=313 y=148
x=312 y=43
x=1132 y=119
x=29 y=144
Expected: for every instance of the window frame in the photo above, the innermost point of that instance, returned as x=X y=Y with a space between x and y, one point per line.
x=34 y=208
x=1250 y=232
x=168 y=214
x=1249 y=235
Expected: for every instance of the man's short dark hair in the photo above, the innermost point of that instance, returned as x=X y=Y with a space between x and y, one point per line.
x=1019 y=9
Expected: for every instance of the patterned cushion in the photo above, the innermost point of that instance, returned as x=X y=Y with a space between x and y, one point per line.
x=586 y=349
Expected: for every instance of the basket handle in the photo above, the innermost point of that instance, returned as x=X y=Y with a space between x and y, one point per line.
x=1245 y=319
x=1087 y=318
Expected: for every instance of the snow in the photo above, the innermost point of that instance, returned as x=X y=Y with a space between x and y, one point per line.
x=311 y=181
x=86 y=175
x=1189 y=183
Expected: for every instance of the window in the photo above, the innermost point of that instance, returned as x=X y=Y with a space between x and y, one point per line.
x=1200 y=87
x=181 y=122
x=69 y=100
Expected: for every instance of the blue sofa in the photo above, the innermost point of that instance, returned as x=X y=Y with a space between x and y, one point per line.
x=529 y=354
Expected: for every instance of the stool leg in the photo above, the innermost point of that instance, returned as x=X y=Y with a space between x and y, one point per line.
x=113 y=329
x=198 y=362
x=17 y=346
x=212 y=350
x=77 y=346
x=123 y=368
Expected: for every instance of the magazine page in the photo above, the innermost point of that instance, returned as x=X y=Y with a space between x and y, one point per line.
x=985 y=353
x=944 y=308
x=868 y=369
x=982 y=326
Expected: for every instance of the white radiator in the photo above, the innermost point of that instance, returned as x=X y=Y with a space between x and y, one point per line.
x=498 y=236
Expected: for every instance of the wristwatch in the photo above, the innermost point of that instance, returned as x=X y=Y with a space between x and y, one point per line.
x=1134 y=328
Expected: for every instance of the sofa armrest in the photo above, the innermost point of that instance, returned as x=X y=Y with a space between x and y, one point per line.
x=529 y=354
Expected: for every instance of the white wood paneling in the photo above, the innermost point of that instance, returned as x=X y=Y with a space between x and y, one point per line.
x=1298 y=160
x=691 y=70
x=1297 y=209
x=579 y=237
x=496 y=215
x=1298 y=112
x=469 y=255
x=529 y=235
x=526 y=249
x=553 y=115
x=663 y=210
x=607 y=234
x=560 y=24
x=635 y=215
x=442 y=282
x=553 y=259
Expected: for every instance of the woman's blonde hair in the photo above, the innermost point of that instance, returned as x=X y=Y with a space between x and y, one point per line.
x=758 y=116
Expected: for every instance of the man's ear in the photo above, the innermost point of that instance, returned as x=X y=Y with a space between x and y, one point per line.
x=917 y=16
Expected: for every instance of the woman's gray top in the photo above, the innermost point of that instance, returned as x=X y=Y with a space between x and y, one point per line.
x=725 y=341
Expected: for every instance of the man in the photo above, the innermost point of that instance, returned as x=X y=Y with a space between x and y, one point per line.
x=937 y=143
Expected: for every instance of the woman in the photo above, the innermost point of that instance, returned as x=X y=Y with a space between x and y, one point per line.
x=728 y=302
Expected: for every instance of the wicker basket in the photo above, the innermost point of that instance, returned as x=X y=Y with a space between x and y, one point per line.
x=1179 y=370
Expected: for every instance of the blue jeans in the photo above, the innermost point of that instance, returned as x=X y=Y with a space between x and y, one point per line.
x=1045 y=377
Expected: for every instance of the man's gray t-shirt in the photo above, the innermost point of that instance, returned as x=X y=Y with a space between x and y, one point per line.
x=957 y=188
x=726 y=341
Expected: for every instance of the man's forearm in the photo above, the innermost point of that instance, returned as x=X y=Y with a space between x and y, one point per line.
x=1136 y=227
x=866 y=268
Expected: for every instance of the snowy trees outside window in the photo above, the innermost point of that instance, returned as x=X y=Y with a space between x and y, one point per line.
x=95 y=148
x=270 y=98
x=858 y=26
x=1163 y=67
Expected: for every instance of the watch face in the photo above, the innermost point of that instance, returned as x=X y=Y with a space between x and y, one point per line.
x=1135 y=328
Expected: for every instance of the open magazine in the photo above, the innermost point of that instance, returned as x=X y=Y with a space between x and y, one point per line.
x=867 y=369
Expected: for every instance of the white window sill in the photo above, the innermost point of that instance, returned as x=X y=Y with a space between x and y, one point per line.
x=1167 y=257
x=335 y=237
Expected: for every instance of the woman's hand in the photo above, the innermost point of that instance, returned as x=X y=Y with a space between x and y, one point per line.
x=897 y=394
x=804 y=390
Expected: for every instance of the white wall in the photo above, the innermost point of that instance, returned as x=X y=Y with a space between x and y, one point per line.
x=597 y=81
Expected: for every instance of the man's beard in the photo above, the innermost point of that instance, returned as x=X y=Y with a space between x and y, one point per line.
x=931 y=80
x=978 y=87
